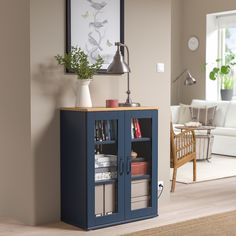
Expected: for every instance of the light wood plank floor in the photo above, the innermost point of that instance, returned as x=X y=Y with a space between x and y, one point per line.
x=188 y=202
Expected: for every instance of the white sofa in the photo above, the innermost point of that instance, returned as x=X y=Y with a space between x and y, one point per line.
x=224 y=121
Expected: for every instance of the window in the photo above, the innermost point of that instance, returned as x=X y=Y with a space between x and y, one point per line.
x=221 y=41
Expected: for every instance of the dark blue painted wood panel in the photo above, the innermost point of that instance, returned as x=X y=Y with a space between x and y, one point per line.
x=73 y=168
x=77 y=166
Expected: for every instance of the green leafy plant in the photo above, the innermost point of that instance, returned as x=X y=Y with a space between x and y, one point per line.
x=224 y=71
x=77 y=62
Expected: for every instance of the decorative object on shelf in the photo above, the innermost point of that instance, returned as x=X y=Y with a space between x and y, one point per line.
x=94 y=26
x=189 y=79
x=224 y=71
x=76 y=61
x=133 y=155
x=112 y=103
x=193 y=43
x=119 y=66
x=83 y=98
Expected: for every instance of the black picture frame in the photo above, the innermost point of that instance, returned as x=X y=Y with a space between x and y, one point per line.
x=69 y=28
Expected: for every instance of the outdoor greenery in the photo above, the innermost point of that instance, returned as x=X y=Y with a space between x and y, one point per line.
x=77 y=61
x=225 y=71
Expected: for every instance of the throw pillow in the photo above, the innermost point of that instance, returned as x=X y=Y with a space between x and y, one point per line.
x=184 y=114
x=203 y=115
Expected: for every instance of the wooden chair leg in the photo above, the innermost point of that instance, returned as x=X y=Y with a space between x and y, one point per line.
x=173 y=180
x=194 y=169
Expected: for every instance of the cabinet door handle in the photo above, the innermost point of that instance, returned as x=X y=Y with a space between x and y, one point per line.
x=128 y=165
x=121 y=167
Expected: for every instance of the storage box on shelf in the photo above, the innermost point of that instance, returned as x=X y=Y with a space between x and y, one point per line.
x=101 y=184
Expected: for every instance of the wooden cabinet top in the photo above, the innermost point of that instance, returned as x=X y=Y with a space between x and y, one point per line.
x=97 y=109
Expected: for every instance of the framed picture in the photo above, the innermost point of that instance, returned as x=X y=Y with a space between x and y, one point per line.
x=95 y=26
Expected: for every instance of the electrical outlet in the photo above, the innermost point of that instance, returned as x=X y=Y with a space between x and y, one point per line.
x=160 y=185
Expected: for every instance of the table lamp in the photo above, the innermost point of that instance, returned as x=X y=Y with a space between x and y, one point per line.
x=119 y=66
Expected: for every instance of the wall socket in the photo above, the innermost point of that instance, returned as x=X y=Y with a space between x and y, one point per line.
x=160 y=185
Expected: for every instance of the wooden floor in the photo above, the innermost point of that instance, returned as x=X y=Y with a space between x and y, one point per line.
x=188 y=202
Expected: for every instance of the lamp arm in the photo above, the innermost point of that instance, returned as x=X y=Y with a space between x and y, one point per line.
x=178 y=77
x=128 y=100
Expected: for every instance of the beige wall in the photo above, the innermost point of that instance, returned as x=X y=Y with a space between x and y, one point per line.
x=147 y=33
x=194 y=23
x=51 y=89
x=176 y=49
x=16 y=173
x=32 y=165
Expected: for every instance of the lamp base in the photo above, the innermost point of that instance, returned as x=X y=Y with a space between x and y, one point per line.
x=133 y=104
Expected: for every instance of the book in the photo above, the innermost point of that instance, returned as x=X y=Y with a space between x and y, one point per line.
x=137 y=133
x=105 y=129
x=109 y=129
x=132 y=128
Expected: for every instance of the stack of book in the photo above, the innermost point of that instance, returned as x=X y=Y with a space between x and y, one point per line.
x=105 y=167
x=104 y=130
x=135 y=129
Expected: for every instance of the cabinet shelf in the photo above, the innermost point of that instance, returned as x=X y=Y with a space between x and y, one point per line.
x=105 y=181
x=140 y=177
x=144 y=139
x=105 y=142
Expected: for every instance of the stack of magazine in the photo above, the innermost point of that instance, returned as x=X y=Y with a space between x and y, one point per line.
x=105 y=167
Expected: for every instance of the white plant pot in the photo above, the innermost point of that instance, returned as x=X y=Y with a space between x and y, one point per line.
x=83 y=98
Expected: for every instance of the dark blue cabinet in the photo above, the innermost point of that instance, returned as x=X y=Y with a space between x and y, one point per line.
x=108 y=165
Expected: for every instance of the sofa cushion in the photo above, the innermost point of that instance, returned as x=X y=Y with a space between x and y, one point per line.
x=224 y=131
x=230 y=120
x=203 y=115
x=221 y=110
x=184 y=114
x=175 y=114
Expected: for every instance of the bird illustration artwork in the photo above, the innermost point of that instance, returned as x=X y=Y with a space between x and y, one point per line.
x=97 y=24
x=93 y=41
x=97 y=5
x=85 y=15
x=109 y=44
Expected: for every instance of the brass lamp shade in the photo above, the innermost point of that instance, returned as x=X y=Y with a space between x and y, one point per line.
x=118 y=65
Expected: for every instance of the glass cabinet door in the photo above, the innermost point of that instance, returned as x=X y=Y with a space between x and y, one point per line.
x=107 y=169
x=141 y=163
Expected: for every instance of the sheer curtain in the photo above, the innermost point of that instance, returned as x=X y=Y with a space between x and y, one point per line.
x=227 y=36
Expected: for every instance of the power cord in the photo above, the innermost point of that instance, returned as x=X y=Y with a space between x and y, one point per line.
x=162 y=188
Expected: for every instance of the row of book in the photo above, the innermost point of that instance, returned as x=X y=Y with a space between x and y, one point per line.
x=105 y=130
x=135 y=129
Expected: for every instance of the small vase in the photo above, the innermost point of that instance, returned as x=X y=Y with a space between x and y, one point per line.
x=83 y=98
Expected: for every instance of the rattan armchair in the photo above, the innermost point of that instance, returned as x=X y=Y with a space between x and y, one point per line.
x=182 y=150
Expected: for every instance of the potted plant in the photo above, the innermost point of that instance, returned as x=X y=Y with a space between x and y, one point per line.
x=77 y=61
x=225 y=73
